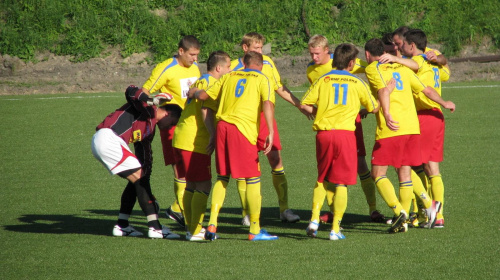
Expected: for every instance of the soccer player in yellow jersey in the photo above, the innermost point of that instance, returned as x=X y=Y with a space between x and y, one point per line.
x=322 y=63
x=175 y=75
x=397 y=141
x=253 y=42
x=336 y=97
x=241 y=96
x=191 y=142
x=429 y=112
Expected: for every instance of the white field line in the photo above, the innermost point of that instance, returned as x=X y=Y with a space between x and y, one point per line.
x=65 y=97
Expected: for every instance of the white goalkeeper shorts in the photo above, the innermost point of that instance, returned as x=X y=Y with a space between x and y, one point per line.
x=113 y=152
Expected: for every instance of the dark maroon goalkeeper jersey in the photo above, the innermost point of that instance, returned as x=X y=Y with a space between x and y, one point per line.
x=135 y=123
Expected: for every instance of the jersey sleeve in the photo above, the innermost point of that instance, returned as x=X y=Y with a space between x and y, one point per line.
x=416 y=85
x=359 y=66
x=311 y=96
x=375 y=78
x=366 y=98
x=137 y=98
x=157 y=79
x=266 y=91
x=214 y=90
x=444 y=73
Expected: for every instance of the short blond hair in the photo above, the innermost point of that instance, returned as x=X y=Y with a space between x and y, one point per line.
x=252 y=37
x=318 y=41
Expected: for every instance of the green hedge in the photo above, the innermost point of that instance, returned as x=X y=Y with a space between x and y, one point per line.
x=84 y=29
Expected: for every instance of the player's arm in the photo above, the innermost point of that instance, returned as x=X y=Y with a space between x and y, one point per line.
x=197 y=93
x=434 y=96
x=209 y=120
x=384 y=99
x=268 y=109
x=437 y=59
x=389 y=58
x=286 y=94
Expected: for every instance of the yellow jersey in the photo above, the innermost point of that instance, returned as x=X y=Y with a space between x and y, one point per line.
x=314 y=71
x=240 y=95
x=431 y=75
x=169 y=76
x=268 y=69
x=190 y=133
x=338 y=96
x=402 y=106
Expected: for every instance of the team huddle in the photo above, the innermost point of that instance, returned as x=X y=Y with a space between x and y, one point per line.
x=230 y=111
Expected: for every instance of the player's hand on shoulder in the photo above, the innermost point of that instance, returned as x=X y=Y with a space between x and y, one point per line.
x=387 y=58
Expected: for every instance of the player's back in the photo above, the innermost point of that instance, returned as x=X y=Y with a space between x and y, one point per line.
x=338 y=96
x=431 y=75
x=402 y=106
x=240 y=95
x=268 y=69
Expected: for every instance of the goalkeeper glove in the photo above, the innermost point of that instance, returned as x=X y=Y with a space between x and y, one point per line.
x=160 y=98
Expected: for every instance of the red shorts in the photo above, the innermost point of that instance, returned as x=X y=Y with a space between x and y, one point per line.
x=336 y=156
x=360 y=141
x=397 y=151
x=197 y=166
x=234 y=154
x=169 y=156
x=264 y=132
x=431 y=134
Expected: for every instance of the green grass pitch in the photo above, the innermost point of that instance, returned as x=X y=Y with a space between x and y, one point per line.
x=58 y=204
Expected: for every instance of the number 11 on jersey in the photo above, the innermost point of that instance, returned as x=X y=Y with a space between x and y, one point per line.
x=337 y=88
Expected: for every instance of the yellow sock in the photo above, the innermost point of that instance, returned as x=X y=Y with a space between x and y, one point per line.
x=254 y=200
x=319 y=194
x=419 y=190
x=330 y=193
x=405 y=191
x=198 y=208
x=179 y=187
x=281 y=186
x=414 y=203
x=339 y=206
x=424 y=179
x=386 y=190
x=186 y=200
x=438 y=192
x=368 y=186
x=218 y=196
x=242 y=191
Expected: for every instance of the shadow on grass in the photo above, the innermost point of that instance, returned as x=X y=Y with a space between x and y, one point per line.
x=62 y=224
x=229 y=223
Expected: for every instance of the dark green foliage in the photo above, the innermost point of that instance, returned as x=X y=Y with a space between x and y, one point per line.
x=84 y=29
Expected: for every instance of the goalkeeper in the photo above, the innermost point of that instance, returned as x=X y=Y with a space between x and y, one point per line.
x=135 y=122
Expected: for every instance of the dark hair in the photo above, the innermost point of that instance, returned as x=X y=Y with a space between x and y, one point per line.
x=387 y=38
x=253 y=58
x=173 y=109
x=216 y=58
x=188 y=42
x=375 y=47
x=418 y=37
x=343 y=54
x=401 y=31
